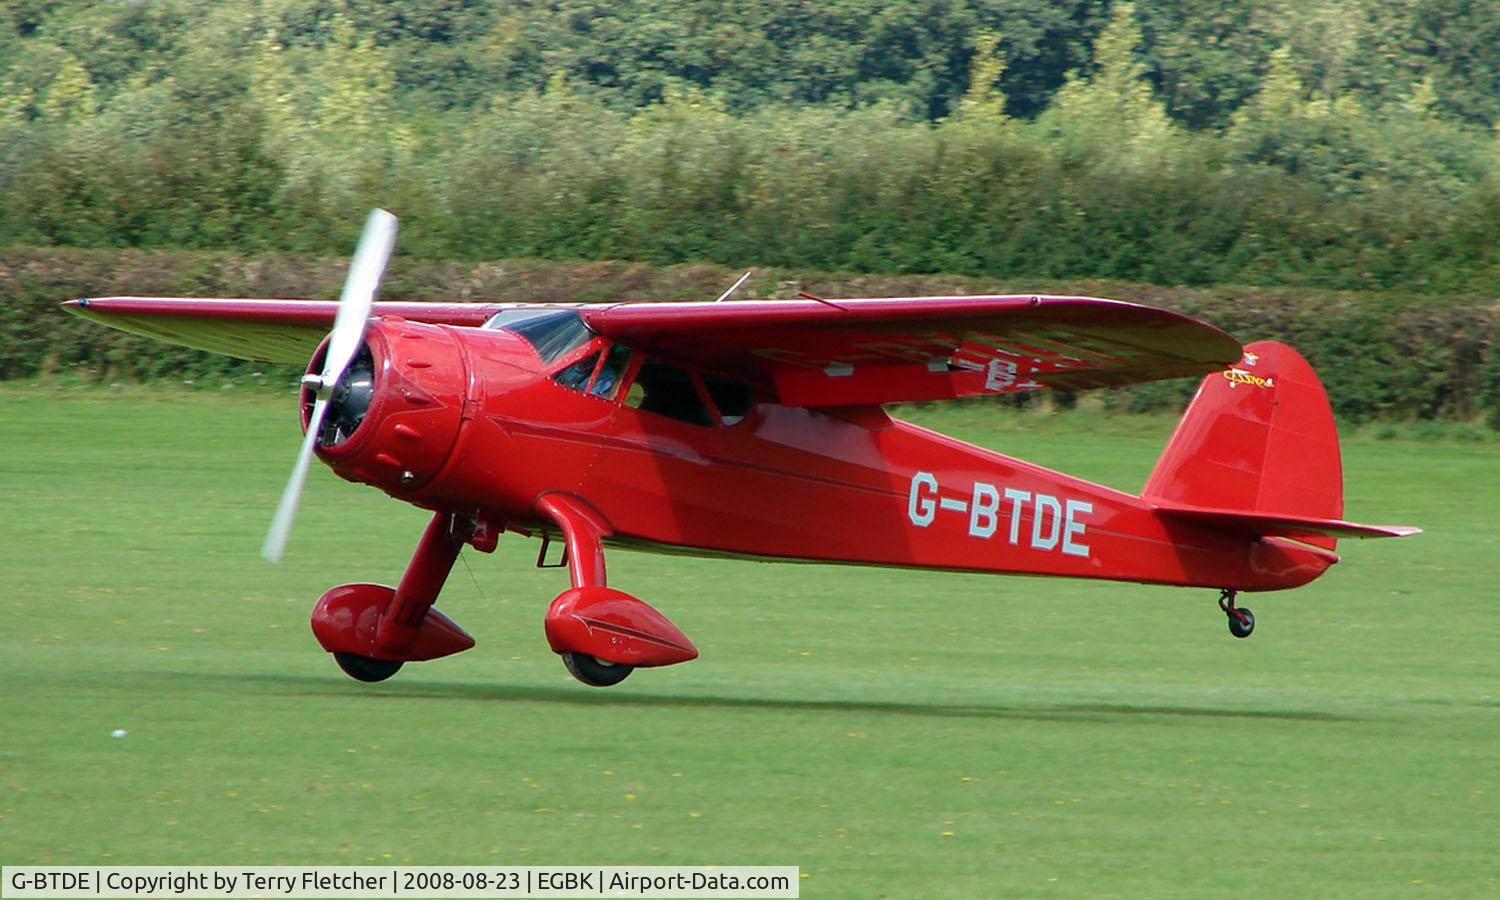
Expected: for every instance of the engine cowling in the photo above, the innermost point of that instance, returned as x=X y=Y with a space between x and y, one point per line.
x=394 y=415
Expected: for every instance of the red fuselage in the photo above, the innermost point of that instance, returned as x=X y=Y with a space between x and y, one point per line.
x=477 y=423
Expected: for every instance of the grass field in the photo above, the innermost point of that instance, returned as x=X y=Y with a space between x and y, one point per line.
x=895 y=734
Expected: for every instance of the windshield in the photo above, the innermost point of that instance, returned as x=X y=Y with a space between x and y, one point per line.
x=551 y=332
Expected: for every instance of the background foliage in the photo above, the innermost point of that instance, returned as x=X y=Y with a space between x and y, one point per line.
x=1173 y=141
x=1287 y=145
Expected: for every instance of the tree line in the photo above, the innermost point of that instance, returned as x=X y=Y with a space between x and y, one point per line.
x=1347 y=145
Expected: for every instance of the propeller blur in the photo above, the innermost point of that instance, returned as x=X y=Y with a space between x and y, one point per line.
x=348 y=331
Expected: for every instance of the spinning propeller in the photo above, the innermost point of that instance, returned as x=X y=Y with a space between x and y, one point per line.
x=343 y=345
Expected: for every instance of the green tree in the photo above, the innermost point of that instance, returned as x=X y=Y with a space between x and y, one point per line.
x=1205 y=57
x=1112 y=116
x=333 y=127
x=985 y=100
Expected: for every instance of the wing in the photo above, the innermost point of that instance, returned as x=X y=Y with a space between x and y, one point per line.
x=808 y=352
x=863 y=351
x=272 y=331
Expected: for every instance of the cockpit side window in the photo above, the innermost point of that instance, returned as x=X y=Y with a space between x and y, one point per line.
x=608 y=379
x=577 y=375
x=668 y=391
x=551 y=332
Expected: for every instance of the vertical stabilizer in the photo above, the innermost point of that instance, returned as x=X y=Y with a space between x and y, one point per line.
x=1258 y=438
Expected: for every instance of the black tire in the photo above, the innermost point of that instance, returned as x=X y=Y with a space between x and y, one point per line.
x=1242 y=629
x=595 y=672
x=363 y=668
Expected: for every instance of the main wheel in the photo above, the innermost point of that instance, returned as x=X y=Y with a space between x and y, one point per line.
x=1242 y=629
x=595 y=672
x=364 y=668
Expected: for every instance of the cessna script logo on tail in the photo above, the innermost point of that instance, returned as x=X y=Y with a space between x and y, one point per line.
x=1056 y=525
x=1237 y=376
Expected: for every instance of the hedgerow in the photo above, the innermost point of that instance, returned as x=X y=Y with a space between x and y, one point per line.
x=1382 y=355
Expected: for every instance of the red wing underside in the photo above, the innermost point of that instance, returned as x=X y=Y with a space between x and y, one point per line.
x=271 y=331
x=851 y=352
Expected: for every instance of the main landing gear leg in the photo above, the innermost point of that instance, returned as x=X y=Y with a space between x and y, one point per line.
x=602 y=634
x=372 y=629
x=583 y=535
x=1241 y=619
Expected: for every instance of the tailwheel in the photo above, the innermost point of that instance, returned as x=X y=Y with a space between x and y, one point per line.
x=364 y=668
x=594 y=671
x=1241 y=619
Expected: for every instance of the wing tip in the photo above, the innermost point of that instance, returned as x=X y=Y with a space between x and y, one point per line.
x=80 y=307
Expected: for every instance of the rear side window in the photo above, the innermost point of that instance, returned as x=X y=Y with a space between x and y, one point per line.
x=668 y=391
x=732 y=399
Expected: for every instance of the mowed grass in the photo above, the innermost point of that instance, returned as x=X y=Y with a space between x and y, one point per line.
x=894 y=733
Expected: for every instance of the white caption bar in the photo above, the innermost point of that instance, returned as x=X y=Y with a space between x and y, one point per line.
x=356 y=882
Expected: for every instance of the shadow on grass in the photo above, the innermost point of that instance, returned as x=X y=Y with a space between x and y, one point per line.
x=625 y=698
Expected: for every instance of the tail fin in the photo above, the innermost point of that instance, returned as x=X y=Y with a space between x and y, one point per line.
x=1257 y=451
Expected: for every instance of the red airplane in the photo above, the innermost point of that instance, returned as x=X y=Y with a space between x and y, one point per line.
x=756 y=429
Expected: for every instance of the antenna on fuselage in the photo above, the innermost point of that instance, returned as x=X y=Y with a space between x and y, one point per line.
x=736 y=286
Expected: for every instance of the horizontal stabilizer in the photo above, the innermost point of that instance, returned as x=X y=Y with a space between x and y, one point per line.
x=1274 y=524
